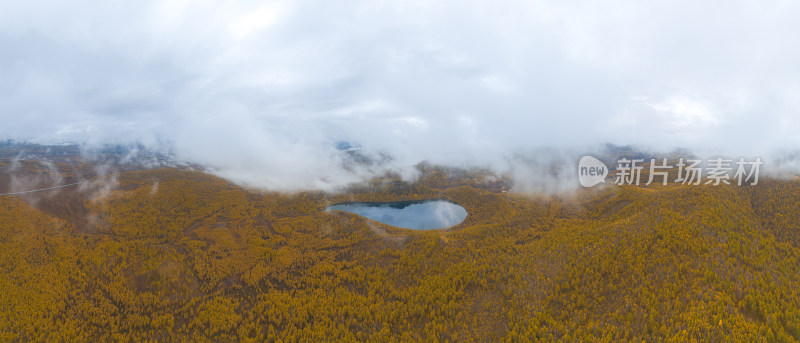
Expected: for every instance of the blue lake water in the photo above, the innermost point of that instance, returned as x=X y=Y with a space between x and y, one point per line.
x=416 y=215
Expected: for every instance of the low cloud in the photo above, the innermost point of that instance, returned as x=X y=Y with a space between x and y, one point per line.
x=262 y=92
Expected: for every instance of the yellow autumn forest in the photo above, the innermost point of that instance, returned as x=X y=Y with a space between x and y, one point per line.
x=179 y=255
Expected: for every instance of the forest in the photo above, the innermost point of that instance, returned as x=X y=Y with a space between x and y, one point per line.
x=176 y=254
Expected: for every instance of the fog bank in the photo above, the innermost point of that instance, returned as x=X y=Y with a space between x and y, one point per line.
x=268 y=93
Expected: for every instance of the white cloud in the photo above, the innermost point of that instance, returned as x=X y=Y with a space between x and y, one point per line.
x=255 y=19
x=684 y=113
x=256 y=89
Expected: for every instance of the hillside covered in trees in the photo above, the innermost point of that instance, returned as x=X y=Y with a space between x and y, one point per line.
x=173 y=254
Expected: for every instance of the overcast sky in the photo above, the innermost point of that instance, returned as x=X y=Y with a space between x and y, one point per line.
x=261 y=91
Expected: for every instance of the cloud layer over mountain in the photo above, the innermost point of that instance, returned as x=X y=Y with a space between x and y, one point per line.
x=262 y=92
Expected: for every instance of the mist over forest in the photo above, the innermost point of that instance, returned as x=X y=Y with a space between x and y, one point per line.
x=399 y=171
x=263 y=93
